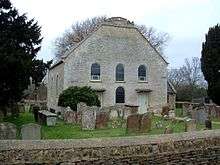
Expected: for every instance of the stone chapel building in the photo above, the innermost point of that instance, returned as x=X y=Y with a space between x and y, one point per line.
x=118 y=62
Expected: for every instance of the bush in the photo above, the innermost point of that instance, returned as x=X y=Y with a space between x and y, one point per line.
x=74 y=95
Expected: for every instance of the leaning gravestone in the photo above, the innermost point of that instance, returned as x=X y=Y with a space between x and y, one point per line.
x=133 y=123
x=88 y=118
x=102 y=119
x=190 y=125
x=70 y=116
x=145 y=125
x=31 y=131
x=8 y=131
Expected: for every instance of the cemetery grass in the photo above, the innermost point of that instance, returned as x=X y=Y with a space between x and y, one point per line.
x=23 y=118
x=73 y=131
x=179 y=112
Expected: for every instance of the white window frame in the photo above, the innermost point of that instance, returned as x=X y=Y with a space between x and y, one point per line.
x=95 y=79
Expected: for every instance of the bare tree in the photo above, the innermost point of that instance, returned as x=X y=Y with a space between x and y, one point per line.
x=158 y=39
x=188 y=80
x=191 y=72
x=175 y=77
x=77 y=33
x=81 y=30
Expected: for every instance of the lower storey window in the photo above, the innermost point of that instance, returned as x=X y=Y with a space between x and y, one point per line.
x=120 y=95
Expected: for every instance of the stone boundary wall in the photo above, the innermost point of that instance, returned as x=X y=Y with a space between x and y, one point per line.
x=184 y=148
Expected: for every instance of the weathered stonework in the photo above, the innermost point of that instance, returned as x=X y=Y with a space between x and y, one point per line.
x=120 y=111
x=70 y=116
x=185 y=148
x=133 y=123
x=190 y=125
x=47 y=118
x=146 y=122
x=89 y=118
x=7 y=131
x=31 y=131
x=55 y=85
x=102 y=119
x=116 y=41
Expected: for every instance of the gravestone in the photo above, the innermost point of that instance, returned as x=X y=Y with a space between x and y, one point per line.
x=47 y=118
x=80 y=107
x=8 y=131
x=208 y=124
x=113 y=114
x=70 y=116
x=201 y=115
x=88 y=118
x=145 y=125
x=187 y=109
x=217 y=110
x=27 y=107
x=165 y=111
x=21 y=108
x=133 y=123
x=168 y=130
x=35 y=111
x=129 y=110
x=31 y=131
x=102 y=119
x=190 y=125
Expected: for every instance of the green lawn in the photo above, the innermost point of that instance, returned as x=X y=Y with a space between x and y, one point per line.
x=72 y=131
x=24 y=118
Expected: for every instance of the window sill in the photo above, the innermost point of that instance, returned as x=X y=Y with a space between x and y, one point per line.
x=142 y=81
x=96 y=81
x=120 y=81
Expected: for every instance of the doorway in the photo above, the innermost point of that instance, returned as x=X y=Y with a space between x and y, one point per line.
x=142 y=103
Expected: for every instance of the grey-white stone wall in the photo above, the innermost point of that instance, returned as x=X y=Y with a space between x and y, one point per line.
x=55 y=88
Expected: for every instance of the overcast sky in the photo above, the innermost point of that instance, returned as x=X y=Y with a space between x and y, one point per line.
x=186 y=21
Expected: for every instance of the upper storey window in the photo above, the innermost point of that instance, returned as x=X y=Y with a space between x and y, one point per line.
x=95 y=71
x=142 y=73
x=120 y=72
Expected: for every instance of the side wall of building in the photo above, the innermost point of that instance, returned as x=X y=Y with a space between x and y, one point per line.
x=55 y=85
x=110 y=46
